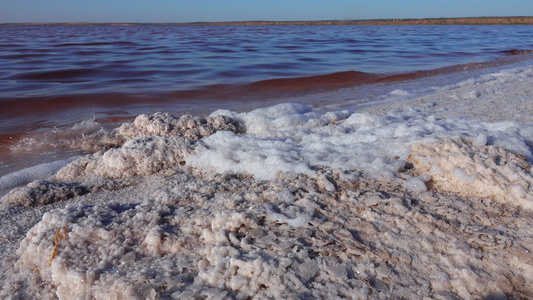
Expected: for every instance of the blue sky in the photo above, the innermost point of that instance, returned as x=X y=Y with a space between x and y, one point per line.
x=244 y=10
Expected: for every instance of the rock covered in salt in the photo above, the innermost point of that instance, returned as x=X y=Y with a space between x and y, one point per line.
x=166 y=125
x=468 y=169
x=39 y=193
x=139 y=156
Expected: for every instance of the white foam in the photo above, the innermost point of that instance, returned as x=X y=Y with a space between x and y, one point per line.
x=296 y=222
x=376 y=145
x=38 y=172
x=399 y=93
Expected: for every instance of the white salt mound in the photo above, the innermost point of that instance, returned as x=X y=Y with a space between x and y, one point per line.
x=139 y=156
x=376 y=145
x=39 y=193
x=481 y=171
x=166 y=125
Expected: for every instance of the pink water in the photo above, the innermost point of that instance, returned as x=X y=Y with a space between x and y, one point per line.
x=57 y=75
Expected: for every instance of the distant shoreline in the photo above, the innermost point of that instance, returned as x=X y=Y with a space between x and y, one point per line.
x=430 y=21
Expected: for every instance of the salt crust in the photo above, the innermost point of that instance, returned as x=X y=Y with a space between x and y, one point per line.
x=166 y=125
x=499 y=95
x=139 y=156
x=40 y=192
x=150 y=144
x=292 y=138
x=231 y=237
x=472 y=170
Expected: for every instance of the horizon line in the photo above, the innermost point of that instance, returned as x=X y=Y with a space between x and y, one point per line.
x=378 y=21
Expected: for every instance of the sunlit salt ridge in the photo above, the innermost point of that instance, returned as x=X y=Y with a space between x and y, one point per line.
x=293 y=138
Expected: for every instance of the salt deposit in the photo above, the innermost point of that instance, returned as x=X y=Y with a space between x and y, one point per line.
x=239 y=237
x=188 y=126
x=484 y=171
x=139 y=156
x=293 y=138
x=289 y=202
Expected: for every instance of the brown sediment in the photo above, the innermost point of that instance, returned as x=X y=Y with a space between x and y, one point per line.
x=33 y=105
x=517 y=52
x=511 y=20
x=430 y=21
x=335 y=80
x=115 y=119
x=7 y=140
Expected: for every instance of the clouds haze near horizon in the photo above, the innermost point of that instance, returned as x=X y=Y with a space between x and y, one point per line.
x=170 y=11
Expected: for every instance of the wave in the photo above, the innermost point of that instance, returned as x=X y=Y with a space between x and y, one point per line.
x=264 y=89
x=32 y=112
x=517 y=51
x=121 y=43
x=338 y=79
x=70 y=75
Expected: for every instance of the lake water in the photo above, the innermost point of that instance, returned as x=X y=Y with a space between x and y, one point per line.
x=57 y=75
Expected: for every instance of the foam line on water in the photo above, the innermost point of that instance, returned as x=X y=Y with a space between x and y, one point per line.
x=41 y=171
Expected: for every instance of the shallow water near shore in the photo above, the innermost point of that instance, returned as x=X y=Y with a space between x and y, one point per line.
x=59 y=75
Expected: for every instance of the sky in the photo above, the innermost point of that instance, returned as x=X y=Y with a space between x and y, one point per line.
x=170 y=11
